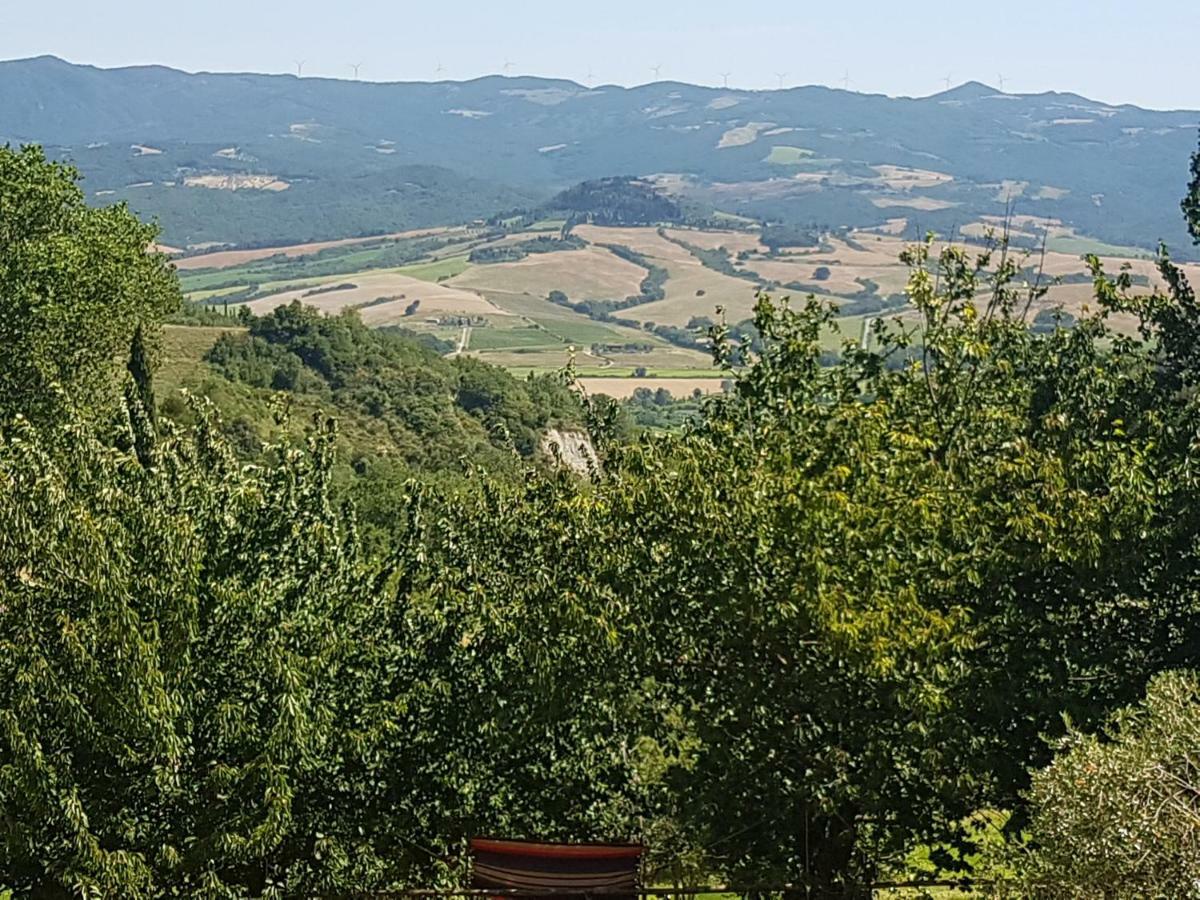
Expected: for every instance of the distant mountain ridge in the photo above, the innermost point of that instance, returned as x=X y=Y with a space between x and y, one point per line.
x=245 y=158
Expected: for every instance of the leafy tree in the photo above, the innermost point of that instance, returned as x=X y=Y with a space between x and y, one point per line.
x=75 y=284
x=932 y=564
x=1116 y=814
x=168 y=666
x=207 y=690
x=778 y=237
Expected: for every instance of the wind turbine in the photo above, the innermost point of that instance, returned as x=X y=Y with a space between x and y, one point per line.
x=440 y=68
x=657 y=70
x=300 y=67
x=949 y=78
x=507 y=65
x=356 y=67
x=781 y=76
x=591 y=76
x=1001 y=77
x=846 y=81
x=725 y=78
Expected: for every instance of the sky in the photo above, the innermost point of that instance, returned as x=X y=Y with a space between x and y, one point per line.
x=1118 y=51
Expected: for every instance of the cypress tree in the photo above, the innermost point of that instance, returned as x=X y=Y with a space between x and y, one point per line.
x=139 y=368
x=142 y=412
x=1191 y=203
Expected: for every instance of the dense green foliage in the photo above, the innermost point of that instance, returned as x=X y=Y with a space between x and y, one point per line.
x=437 y=411
x=659 y=410
x=75 y=285
x=616 y=201
x=1116 y=815
x=207 y=692
x=340 y=204
x=777 y=237
x=824 y=621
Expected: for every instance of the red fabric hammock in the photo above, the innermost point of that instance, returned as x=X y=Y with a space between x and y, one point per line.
x=609 y=869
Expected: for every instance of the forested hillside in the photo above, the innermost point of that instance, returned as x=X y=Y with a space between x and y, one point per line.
x=437 y=411
x=246 y=159
x=808 y=642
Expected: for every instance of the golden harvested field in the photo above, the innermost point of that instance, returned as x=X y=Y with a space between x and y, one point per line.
x=733 y=241
x=436 y=299
x=1073 y=298
x=665 y=357
x=840 y=280
x=925 y=204
x=901 y=178
x=225 y=259
x=1061 y=264
x=743 y=134
x=685 y=300
x=878 y=261
x=621 y=388
x=590 y=274
x=891 y=226
x=524 y=331
x=692 y=289
x=643 y=240
x=877 y=250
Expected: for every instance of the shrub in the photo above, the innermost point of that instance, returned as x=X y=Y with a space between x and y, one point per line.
x=1117 y=814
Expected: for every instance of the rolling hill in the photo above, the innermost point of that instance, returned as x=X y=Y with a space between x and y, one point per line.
x=251 y=159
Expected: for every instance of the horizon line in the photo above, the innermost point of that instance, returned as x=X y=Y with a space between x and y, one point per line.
x=971 y=83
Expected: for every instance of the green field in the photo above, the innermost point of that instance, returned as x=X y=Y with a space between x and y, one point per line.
x=437 y=270
x=512 y=338
x=1081 y=246
x=789 y=156
x=202 y=296
x=443 y=262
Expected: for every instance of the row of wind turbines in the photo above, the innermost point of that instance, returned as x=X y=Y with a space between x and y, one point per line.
x=508 y=66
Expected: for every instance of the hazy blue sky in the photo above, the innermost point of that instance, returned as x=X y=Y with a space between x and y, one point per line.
x=1140 y=51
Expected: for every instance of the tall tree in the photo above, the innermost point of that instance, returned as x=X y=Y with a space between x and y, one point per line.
x=75 y=283
x=1191 y=203
x=141 y=397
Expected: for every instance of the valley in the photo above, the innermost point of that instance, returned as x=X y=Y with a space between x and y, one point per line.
x=577 y=303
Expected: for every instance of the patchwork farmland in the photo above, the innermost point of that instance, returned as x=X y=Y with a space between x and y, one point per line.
x=504 y=311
